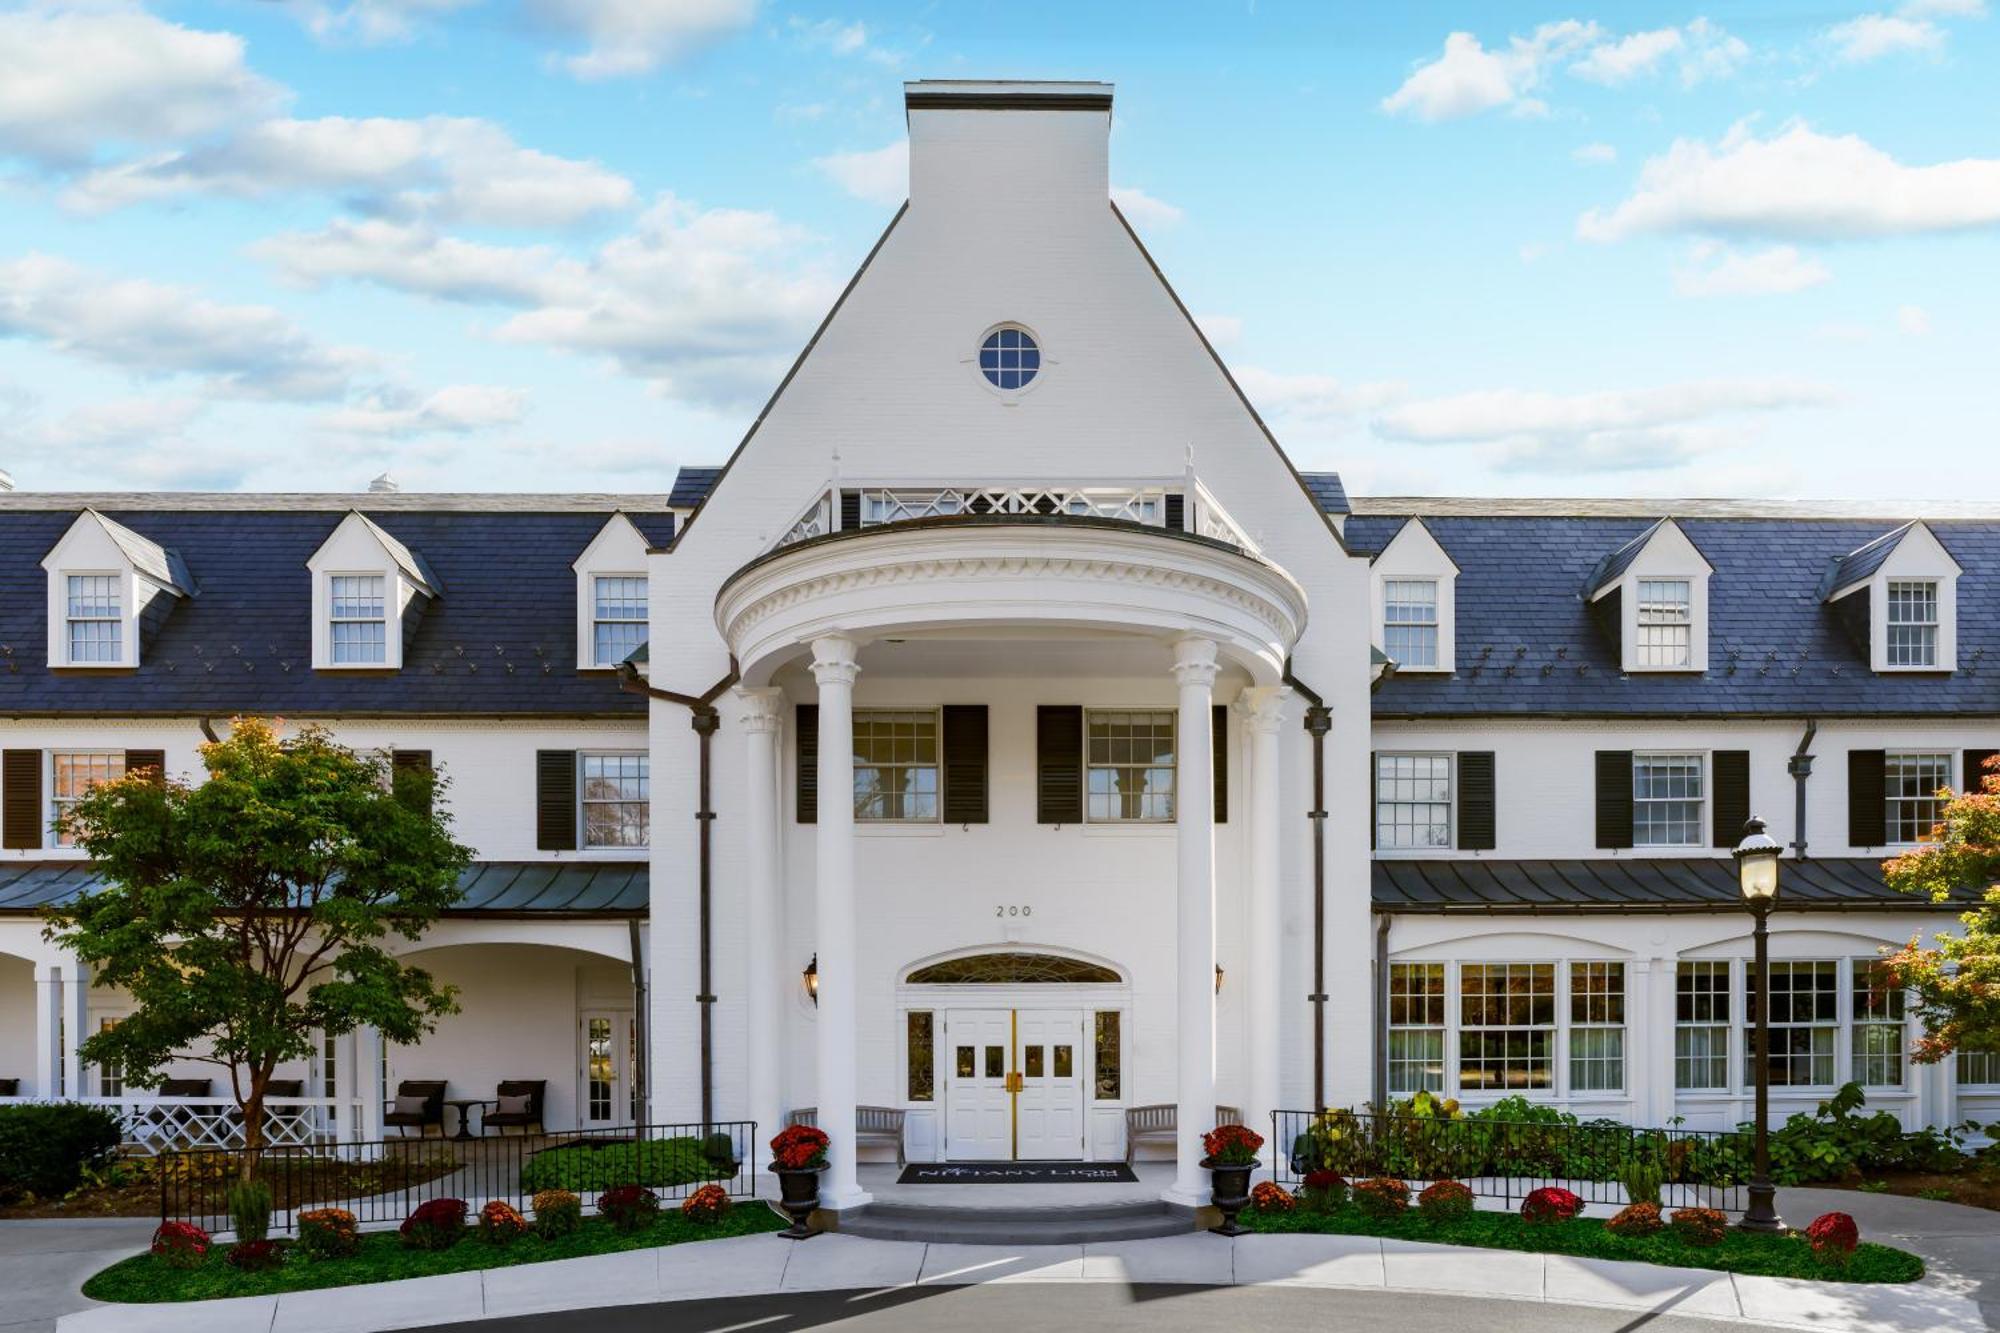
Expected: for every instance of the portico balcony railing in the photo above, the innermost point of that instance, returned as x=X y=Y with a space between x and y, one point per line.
x=1183 y=505
x=152 y=1125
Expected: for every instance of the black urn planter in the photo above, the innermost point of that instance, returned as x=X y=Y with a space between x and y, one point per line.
x=1230 y=1192
x=798 y=1195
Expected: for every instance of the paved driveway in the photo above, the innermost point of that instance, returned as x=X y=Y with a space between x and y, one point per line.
x=42 y=1265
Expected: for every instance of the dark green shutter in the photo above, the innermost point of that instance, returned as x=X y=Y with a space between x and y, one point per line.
x=1867 y=799
x=805 y=758
x=1218 y=753
x=1975 y=771
x=963 y=750
x=1476 y=824
x=850 y=510
x=1059 y=764
x=1614 y=798
x=21 y=800
x=555 y=800
x=152 y=761
x=1732 y=796
x=1176 y=512
x=411 y=771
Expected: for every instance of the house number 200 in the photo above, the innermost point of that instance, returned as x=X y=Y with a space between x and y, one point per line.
x=1013 y=911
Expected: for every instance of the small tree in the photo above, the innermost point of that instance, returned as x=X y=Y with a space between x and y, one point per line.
x=1957 y=984
x=249 y=912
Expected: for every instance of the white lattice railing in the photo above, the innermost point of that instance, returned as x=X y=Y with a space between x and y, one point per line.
x=162 y=1124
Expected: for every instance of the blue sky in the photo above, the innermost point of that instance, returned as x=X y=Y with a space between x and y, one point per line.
x=571 y=244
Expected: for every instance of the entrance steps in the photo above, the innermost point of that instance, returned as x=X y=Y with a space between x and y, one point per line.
x=1054 y=1224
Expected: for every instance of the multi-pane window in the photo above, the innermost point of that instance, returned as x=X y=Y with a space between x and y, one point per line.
x=1410 y=621
x=922 y=1051
x=1912 y=782
x=1912 y=623
x=617 y=617
x=1129 y=766
x=1416 y=1027
x=1701 y=1025
x=110 y=1074
x=1665 y=622
x=896 y=766
x=96 y=618
x=1666 y=800
x=1108 y=1083
x=1978 y=1066
x=357 y=621
x=1596 y=1027
x=73 y=773
x=1412 y=800
x=1878 y=1026
x=1507 y=1026
x=617 y=792
x=1805 y=1023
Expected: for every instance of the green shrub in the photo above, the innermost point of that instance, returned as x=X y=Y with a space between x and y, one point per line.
x=1642 y=1181
x=250 y=1209
x=47 y=1147
x=719 y=1151
x=584 y=1167
x=557 y=1213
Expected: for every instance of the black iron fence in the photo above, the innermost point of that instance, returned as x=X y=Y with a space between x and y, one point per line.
x=1508 y=1159
x=385 y=1180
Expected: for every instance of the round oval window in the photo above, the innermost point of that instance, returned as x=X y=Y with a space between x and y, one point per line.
x=1009 y=358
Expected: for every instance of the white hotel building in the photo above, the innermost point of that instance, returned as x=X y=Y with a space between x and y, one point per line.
x=1010 y=678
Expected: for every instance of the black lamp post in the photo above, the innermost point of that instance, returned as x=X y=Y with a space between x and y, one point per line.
x=1757 y=875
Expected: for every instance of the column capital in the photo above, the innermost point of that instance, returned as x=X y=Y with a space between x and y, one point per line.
x=834 y=659
x=762 y=709
x=1263 y=707
x=1195 y=660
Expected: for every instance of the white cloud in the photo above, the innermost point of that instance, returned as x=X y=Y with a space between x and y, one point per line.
x=371 y=22
x=627 y=37
x=72 y=80
x=413 y=257
x=1616 y=62
x=1716 y=270
x=1913 y=320
x=1220 y=329
x=879 y=175
x=1612 y=430
x=1595 y=154
x=455 y=409
x=843 y=39
x=135 y=442
x=1872 y=36
x=1710 y=53
x=446 y=167
x=1943 y=9
x=1142 y=209
x=157 y=330
x=1799 y=184
x=1468 y=79
x=1313 y=400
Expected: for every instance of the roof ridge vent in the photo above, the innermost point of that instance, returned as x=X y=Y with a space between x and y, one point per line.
x=384 y=485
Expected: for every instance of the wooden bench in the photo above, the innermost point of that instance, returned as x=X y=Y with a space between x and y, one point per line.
x=1162 y=1121
x=880 y=1125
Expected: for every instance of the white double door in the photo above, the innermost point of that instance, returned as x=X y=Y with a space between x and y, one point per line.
x=1013 y=1085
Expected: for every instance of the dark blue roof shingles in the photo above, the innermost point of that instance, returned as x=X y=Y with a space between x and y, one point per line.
x=500 y=641
x=1326 y=488
x=1527 y=643
x=692 y=485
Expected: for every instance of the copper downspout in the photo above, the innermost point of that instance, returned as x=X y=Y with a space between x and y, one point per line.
x=1800 y=767
x=1318 y=722
x=705 y=719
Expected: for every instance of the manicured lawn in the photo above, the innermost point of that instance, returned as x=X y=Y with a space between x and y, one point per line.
x=383 y=1258
x=1740 y=1251
x=599 y=1164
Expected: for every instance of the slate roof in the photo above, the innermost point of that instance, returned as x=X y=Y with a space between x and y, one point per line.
x=1528 y=644
x=565 y=888
x=1326 y=488
x=1627 y=884
x=692 y=485
x=499 y=641
x=1619 y=561
x=1844 y=571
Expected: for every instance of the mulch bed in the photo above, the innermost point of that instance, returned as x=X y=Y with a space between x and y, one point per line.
x=133 y=1189
x=1974 y=1189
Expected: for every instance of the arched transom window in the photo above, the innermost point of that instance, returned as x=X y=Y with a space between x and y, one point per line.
x=1013 y=969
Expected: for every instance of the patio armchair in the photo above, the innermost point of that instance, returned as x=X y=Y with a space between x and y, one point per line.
x=880 y=1125
x=418 y=1103
x=10 y=1087
x=517 y=1102
x=1162 y=1121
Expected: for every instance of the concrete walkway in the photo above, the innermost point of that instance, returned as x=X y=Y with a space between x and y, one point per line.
x=44 y=1263
x=761 y=1265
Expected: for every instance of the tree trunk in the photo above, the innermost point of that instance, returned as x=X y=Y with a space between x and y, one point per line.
x=252 y=1108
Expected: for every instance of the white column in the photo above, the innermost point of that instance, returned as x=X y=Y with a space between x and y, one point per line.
x=834 y=668
x=76 y=1027
x=767 y=990
x=1263 y=709
x=368 y=1089
x=48 y=1029
x=1194 y=879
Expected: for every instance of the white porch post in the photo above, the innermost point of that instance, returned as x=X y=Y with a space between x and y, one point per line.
x=48 y=1029
x=1263 y=709
x=1194 y=813
x=834 y=668
x=766 y=989
x=368 y=1089
x=76 y=1026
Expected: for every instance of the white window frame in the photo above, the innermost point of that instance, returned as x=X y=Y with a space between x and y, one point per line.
x=1710 y=1026
x=1657 y=615
x=1395 y=606
x=358 y=548
x=118 y=618
x=1414 y=555
x=1919 y=557
x=1895 y=802
x=1897 y=596
x=387 y=618
x=1666 y=556
x=1699 y=823
x=1603 y=1002
x=584 y=802
x=1836 y=1025
x=1892 y=1023
x=936 y=765
x=1433 y=1033
x=1553 y=1049
x=1450 y=762
x=1986 y=1067
x=96 y=547
x=56 y=803
x=1173 y=794
x=598 y=622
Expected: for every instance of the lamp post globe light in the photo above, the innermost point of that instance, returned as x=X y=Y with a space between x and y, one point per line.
x=1757 y=876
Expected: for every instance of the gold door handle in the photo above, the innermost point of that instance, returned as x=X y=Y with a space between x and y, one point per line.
x=1014 y=1081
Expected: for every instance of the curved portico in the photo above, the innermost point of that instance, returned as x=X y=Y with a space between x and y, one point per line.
x=1019 y=593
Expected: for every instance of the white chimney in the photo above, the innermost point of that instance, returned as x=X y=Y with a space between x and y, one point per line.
x=979 y=144
x=384 y=485
x=6 y=480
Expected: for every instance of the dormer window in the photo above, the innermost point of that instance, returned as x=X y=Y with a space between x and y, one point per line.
x=1666 y=623
x=1897 y=597
x=1651 y=595
x=613 y=610
x=369 y=591
x=1913 y=623
x=1414 y=616
x=1410 y=622
x=358 y=627
x=95 y=619
x=618 y=617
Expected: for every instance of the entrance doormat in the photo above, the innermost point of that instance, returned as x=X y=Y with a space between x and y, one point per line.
x=1017 y=1173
